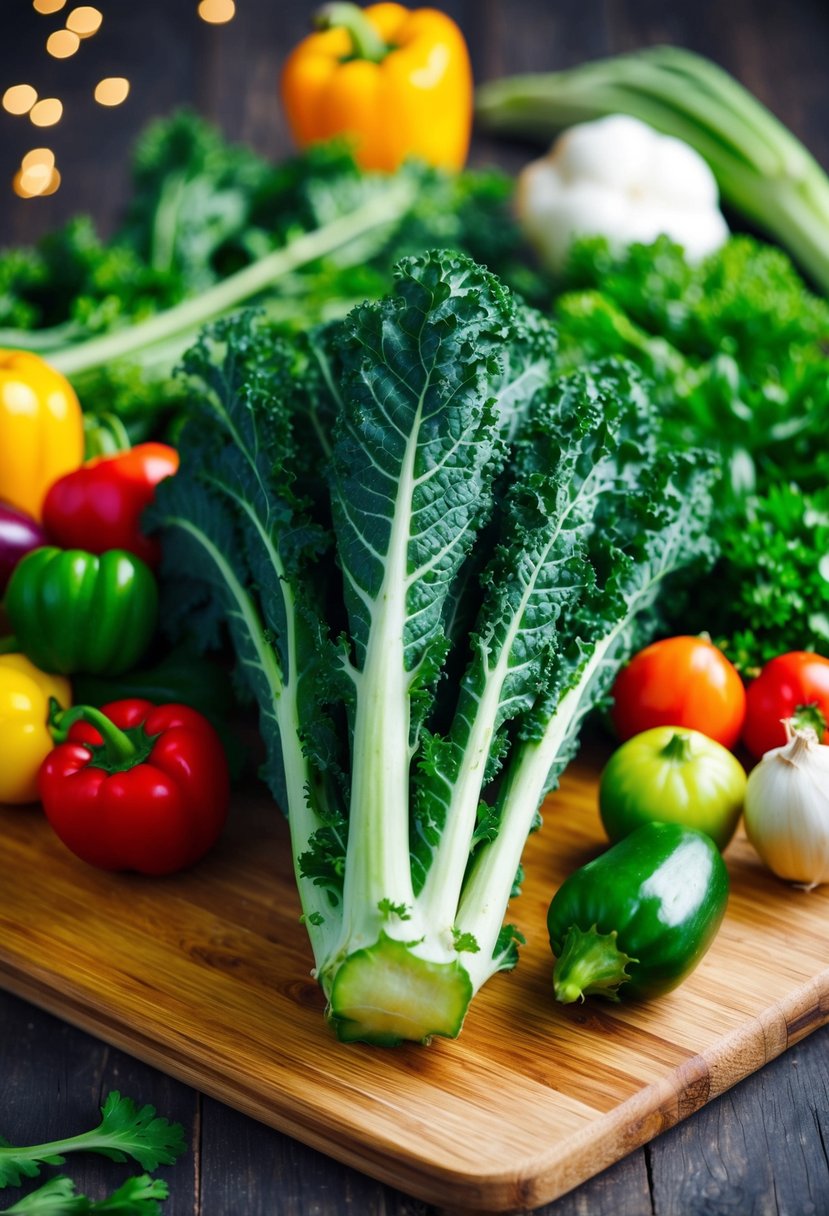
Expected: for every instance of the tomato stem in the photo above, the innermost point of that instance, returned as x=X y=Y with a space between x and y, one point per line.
x=809 y=717
x=678 y=747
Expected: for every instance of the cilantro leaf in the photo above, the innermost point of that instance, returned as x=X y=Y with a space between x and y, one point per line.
x=136 y=1196
x=125 y=1130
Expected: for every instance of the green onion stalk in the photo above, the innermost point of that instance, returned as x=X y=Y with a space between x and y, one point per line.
x=763 y=171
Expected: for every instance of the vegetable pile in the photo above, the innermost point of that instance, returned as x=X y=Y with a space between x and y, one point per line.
x=763 y=171
x=429 y=498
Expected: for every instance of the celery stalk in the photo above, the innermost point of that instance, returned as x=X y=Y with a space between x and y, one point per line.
x=182 y=321
x=763 y=171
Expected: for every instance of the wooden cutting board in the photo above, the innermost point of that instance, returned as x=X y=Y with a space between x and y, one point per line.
x=206 y=975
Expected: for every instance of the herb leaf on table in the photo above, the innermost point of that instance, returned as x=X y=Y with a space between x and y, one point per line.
x=125 y=1130
x=138 y=1196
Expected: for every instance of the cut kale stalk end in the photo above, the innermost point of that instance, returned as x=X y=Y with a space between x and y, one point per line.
x=386 y=994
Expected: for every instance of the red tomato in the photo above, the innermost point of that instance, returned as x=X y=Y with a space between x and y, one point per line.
x=682 y=681
x=787 y=684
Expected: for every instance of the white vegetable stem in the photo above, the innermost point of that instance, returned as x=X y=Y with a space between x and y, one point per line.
x=762 y=169
x=184 y=319
x=377 y=860
x=486 y=894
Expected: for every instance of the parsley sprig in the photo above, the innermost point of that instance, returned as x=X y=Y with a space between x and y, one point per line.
x=126 y=1130
x=138 y=1196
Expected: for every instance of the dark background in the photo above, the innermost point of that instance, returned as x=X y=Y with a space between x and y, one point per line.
x=229 y=73
x=759 y=1150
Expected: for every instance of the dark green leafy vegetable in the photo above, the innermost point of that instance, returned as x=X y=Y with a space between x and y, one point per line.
x=191 y=212
x=73 y=285
x=772 y=592
x=424 y=643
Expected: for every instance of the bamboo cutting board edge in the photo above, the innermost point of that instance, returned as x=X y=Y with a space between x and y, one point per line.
x=528 y=1103
x=534 y=1182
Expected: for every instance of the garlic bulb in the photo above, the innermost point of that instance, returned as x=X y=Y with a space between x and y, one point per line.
x=786 y=808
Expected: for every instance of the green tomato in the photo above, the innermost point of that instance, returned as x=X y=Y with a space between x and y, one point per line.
x=671 y=774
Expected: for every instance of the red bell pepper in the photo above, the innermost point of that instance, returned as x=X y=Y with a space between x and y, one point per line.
x=98 y=506
x=135 y=786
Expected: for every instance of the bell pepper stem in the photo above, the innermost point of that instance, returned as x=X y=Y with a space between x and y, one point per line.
x=365 y=41
x=119 y=750
x=104 y=435
x=8 y=645
x=590 y=964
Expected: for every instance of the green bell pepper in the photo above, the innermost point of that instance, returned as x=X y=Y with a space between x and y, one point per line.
x=73 y=611
x=638 y=919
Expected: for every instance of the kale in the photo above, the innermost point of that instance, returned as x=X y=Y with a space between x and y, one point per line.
x=465 y=480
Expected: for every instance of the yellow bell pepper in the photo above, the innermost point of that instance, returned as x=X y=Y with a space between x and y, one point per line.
x=25 y=741
x=397 y=82
x=41 y=429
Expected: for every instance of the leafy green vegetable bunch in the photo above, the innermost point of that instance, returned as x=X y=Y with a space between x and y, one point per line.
x=211 y=226
x=737 y=350
x=432 y=553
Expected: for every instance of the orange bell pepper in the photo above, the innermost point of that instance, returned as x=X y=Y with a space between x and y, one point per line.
x=395 y=81
x=41 y=429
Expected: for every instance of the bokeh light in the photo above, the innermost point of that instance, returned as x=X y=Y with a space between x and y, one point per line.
x=112 y=90
x=31 y=182
x=47 y=112
x=217 y=12
x=19 y=99
x=17 y=185
x=53 y=185
x=84 y=21
x=62 y=44
x=38 y=156
x=37 y=175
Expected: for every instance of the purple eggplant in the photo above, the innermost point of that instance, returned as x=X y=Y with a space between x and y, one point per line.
x=19 y=533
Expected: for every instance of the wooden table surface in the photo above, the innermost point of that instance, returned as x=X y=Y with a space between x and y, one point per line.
x=762 y=1147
